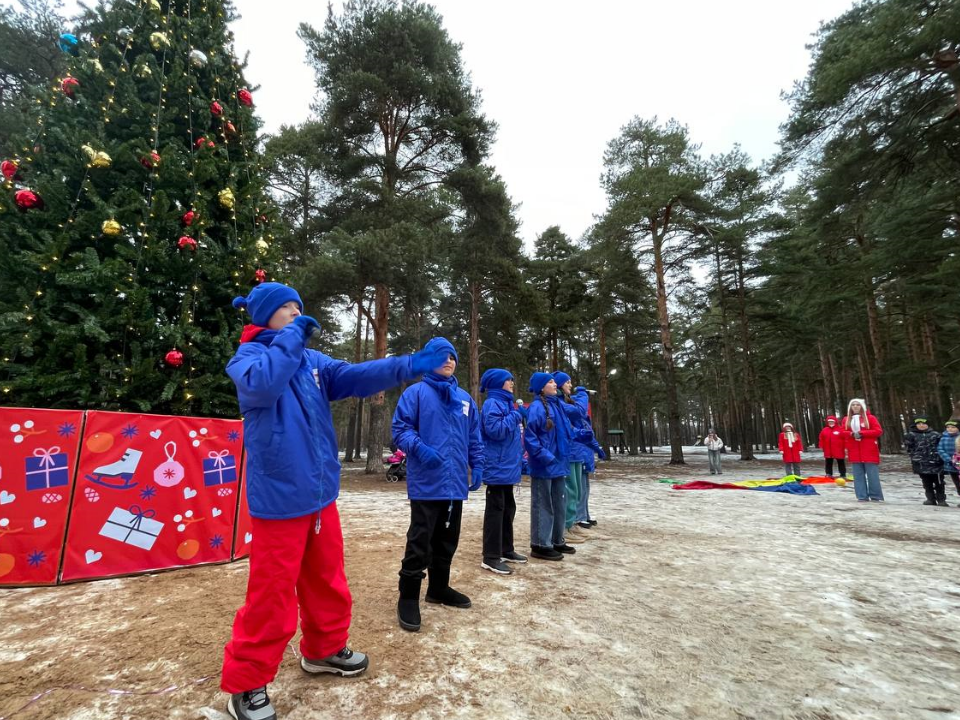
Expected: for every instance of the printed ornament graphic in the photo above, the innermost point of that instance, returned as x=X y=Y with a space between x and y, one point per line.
x=47 y=468
x=7 y=560
x=219 y=468
x=134 y=527
x=118 y=475
x=169 y=473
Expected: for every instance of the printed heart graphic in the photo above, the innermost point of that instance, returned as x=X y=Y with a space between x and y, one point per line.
x=39 y=522
x=217 y=512
x=248 y=537
x=92 y=556
x=155 y=434
x=6 y=497
x=189 y=493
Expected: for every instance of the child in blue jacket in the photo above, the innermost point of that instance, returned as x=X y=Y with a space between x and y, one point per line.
x=948 y=449
x=547 y=440
x=438 y=426
x=501 y=431
x=292 y=484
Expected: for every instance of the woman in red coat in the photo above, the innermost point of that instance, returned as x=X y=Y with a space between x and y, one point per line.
x=790 y=446
x=860 y=431
x=833 y=446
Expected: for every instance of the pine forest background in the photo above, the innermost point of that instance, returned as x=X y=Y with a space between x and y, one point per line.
x=723 y=291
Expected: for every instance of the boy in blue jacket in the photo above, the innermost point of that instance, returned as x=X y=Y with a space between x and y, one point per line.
x=503 y=449
x=438 y=426
x=292 y=484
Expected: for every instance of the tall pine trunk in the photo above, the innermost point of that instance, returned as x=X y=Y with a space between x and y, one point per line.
x=475 y=292
x=353 y=442
x=666 y=339
x=378 y=404
x=604 y=393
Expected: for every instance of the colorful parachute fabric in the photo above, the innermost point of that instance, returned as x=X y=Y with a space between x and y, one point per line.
x=791 y=484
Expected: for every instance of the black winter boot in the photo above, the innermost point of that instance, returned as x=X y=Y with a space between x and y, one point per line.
x=439 y=591
x=408 y=607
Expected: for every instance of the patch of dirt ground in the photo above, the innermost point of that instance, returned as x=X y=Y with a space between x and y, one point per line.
x=682 y=604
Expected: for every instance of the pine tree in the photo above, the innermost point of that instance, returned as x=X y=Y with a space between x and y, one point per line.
x=147 y=217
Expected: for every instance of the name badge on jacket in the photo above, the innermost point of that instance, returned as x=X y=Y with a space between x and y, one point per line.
x=466 y=407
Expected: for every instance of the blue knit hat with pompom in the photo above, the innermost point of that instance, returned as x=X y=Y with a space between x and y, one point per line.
x=265 y=299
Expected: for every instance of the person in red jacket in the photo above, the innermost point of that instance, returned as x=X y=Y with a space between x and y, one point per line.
x=833 y=446
x=790 y=446
x=860 y=431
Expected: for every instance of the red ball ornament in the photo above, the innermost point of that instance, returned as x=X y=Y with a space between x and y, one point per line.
x=9 y=169
x=28 y=200
x=174 y=358
x=188 y=218
x=187 y=242
x=69 y=86
x=260 y=275
x=151 y=160
x=245 y=98
x=262 y=219
x=202 y=141
x=229 y=128
x=216 y=108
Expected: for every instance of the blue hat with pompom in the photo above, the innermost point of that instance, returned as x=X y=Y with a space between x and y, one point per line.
x=265 y=299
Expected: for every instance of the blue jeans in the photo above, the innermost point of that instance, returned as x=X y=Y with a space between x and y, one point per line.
x=547 y=511
x=583 y=511
x=866 y=481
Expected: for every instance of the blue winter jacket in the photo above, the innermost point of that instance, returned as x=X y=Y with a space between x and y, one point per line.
x=501 y=432
x=422 y=418
x=946 y=450
x=548 y=450
x=588 y=447
x=285 y=392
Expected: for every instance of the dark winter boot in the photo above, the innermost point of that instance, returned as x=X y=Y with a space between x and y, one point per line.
x=408 y=607
x=545 y=553
x=439 y=591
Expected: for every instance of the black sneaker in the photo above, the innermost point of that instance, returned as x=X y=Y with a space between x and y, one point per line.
x=565 y=549
x=496 y=566
x=545 y=553
x=515 y=557
x=929 y=502
x=585 y=524
x=942 y=503
x=345 y=663
x=594 y=522
x=251 y=705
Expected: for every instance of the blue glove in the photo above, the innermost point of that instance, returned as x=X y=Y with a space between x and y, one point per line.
x=424 y=361
x=601 y=454
x=579 y=389
x=307 y=325
x=522 y=410
x=476 y=475
x=429 y=457
x=517 y=414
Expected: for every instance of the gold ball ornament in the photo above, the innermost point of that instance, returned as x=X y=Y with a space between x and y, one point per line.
x=227 y=198
x=89 y=152
x=143 y=70
x=101 y=160
x=95 y=65
x=262 y=246
x=111 y=228
x=155 y=6
x=159 y=40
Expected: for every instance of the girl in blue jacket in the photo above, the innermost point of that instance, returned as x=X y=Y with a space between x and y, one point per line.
x=503 y=449
x=547 y=440
x=589 y=451
x=581 y=453
x=292 y=482
x=438 y=426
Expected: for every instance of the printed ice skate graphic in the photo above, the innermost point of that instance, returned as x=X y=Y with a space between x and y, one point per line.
x=122 y=470
x=133 y=527
x=169 y=473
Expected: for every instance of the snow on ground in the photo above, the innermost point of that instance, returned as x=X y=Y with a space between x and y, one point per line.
x=683 y=604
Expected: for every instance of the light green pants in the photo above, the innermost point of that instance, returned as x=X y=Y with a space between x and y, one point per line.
x=574 y=488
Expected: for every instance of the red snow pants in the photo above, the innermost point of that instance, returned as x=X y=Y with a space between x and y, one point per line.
x=292 y=567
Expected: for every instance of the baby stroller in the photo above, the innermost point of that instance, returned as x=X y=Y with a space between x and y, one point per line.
x=396 y=466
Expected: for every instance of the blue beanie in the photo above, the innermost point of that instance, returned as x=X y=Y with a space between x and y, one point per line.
x=561 y=377
x=438 y=344
x=538 y=380
x=494 y=378
x=265 y=299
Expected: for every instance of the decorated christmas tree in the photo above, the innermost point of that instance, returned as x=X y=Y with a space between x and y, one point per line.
x=132 y=215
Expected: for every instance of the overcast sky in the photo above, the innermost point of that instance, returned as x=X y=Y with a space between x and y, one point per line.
x=561 y=78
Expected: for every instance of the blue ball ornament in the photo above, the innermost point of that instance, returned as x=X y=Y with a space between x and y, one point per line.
x=69 y=43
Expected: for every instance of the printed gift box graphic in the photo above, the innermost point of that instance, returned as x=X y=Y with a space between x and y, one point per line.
x=219 y=468
x=134 y=527
x=47 y=468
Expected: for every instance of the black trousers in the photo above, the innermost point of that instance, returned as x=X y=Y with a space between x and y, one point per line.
x=498 y=516
x=956 y=481
x=841 y=466
x=933 y=486
x=433 y=536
